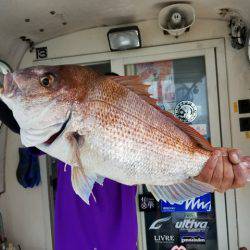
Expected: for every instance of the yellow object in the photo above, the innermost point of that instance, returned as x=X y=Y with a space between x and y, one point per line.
x=236 y=107
x=247 y=134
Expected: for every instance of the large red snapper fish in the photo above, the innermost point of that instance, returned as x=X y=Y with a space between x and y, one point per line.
x=106 y=126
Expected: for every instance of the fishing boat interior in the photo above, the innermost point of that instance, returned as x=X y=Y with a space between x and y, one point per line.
x=195 y=58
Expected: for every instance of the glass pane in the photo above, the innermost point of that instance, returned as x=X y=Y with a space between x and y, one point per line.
x=103 y=68
x=180 y=87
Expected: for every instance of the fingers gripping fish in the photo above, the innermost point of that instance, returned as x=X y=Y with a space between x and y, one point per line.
x=107 y=126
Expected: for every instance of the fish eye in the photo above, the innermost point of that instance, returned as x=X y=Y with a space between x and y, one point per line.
x=47 y=80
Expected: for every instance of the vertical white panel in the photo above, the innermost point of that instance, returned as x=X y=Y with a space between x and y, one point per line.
x=214 y=118
x=117 y=66
x=243 y=215
x=45 y=201
x=226 y=140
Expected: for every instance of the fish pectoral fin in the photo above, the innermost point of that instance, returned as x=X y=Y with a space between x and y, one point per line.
x=182 y=191
x=83 y=184
x=75 y=139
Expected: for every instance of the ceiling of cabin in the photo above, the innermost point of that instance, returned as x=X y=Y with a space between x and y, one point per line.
x=51 y=18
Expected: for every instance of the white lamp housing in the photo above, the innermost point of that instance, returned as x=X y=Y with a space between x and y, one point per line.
x=124 y=38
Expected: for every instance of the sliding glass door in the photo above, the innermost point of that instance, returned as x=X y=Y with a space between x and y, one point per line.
x=185 y=84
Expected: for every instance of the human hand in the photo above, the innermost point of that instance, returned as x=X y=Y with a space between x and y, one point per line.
x=224 y=170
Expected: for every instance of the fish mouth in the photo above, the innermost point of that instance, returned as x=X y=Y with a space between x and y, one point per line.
x=8 y=87
x=56 y=135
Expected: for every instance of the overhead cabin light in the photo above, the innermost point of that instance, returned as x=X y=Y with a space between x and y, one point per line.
x=124 y=38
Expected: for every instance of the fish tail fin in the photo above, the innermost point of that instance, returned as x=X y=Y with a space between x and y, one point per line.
x=182 y=191
x=83 y=184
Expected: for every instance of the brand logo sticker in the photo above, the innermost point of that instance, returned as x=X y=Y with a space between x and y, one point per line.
x=186 y=111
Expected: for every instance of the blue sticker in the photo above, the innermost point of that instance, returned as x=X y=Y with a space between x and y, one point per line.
x=198 y=204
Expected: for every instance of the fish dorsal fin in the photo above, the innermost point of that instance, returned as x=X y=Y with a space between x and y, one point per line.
x=135 y=84
x=191 y=132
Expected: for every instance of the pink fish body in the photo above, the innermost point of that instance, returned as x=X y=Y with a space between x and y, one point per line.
x=130 y=141
x=102 y=128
